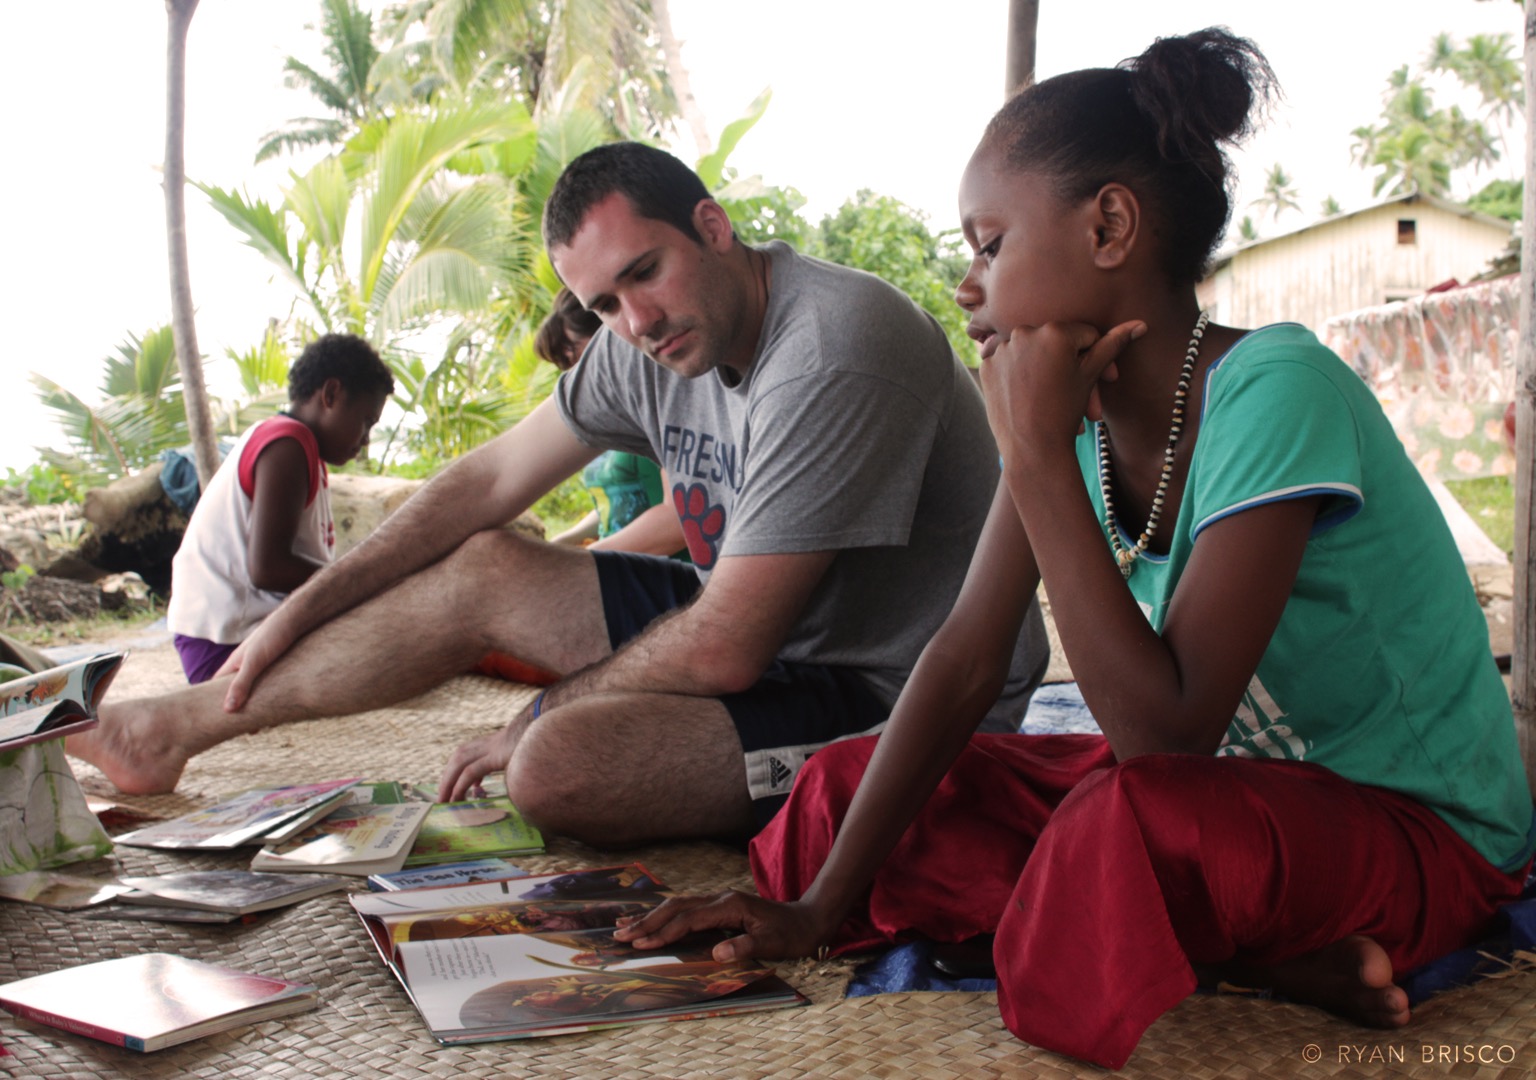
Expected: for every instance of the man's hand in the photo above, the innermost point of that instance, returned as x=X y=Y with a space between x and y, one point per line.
x=255 y=654
x=477 y=759
x=772 y=931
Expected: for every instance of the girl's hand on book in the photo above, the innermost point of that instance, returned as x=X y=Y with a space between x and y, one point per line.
x=771 y=931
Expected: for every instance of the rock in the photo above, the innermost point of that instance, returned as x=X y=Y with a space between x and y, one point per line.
x=123 y=591
x=359 y=504
x=45 y=599
x=24 y=547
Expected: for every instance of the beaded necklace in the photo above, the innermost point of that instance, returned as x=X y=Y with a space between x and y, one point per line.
x=1125 y=557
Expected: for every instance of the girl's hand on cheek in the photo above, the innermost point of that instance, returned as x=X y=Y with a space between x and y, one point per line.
x=1042 y=381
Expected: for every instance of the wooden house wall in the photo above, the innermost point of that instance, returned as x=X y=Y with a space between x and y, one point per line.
x=1354 y=262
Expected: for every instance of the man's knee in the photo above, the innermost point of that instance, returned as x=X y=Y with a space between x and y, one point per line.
x=489 y=553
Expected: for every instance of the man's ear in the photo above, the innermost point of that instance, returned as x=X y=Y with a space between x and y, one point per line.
x=332 y=393
x=1117 y=225
x=713 y=225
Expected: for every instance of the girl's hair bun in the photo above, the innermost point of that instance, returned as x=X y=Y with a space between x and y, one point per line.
x=1158 y=124
x=1201 y=91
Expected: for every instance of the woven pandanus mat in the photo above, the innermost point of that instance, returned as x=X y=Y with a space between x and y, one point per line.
x=366 y=1027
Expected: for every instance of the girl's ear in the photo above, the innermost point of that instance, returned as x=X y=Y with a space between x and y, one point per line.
x=331 y=393
x=1117 y=224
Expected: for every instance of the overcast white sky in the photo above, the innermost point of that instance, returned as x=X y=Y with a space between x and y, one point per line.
x=867 y=93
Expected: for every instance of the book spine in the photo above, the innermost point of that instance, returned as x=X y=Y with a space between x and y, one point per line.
x=78 y=1027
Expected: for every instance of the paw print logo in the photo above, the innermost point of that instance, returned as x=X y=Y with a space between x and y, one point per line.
x=702 y=523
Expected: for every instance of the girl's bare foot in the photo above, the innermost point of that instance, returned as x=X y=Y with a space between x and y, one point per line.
x=134 y=746
x=1351 y=978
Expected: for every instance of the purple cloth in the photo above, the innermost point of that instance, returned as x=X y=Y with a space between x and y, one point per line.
x=200 y=659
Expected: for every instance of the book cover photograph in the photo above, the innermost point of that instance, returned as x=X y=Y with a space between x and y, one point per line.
x=357 y=839
x=56 y=702
x=242 y=819
x=472 y=829
x=520 y=985
x=238 y=892
x=153 y=1000
x=464 y=873
x=536 y=956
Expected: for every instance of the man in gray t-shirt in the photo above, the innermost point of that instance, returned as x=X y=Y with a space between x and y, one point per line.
x=854 y=429
x=831 y=465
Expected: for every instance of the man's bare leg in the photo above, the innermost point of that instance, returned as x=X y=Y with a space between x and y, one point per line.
x=498 y=592
x=617 y=770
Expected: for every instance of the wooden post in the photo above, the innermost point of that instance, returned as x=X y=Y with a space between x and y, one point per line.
x=1023 y=17
x=1523 y=670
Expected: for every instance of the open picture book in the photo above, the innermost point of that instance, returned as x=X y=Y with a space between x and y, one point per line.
x=56 y=702
x=536 y=956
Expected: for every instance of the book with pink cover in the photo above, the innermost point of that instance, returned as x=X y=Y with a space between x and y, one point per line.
x=152 y=1001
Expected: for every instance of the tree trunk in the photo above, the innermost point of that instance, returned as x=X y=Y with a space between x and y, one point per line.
x=194 y=391
x=1523 y=669
x=677 y=75
x=1023 y=15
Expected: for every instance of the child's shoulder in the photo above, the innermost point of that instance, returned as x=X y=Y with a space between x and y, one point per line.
x=272 y=430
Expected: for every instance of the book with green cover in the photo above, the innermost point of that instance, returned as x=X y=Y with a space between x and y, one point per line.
x=473 y=829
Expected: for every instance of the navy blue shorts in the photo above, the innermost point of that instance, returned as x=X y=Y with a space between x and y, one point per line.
x=791 y=712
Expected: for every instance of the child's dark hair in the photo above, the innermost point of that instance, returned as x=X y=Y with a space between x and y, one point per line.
x=657 y=185
x=568 y=323
x=346 y=358
x=1157 y=124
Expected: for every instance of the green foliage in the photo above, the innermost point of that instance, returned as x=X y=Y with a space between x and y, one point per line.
x=1415 y=145
x=141 y=414
x=1331 y=207
x=45 y=485
x=345 y=92
x=564 y=506
x=886 y=237
x=1247 y=231
x=1501 y=198
x=17 y=579
x=1489 y=501
x=1279 y=193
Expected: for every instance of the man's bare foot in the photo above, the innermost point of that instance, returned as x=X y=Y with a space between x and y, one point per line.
x=134 y=747
x=1351 y=978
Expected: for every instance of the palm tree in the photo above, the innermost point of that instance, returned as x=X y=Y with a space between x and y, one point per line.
x=1279 y=192
x=142 y=410
x=1331 y=207
x=440 y=238
x=1247 y=231
x=1486 y=64
x=205 y=450
x=1411 y=159
x=528 y=50
x=348 y=33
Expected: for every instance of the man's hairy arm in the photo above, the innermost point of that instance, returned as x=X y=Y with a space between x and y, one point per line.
x=484 y=489
x=718 y=644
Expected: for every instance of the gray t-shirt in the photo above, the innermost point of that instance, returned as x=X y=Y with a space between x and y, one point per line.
x=855 y=429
